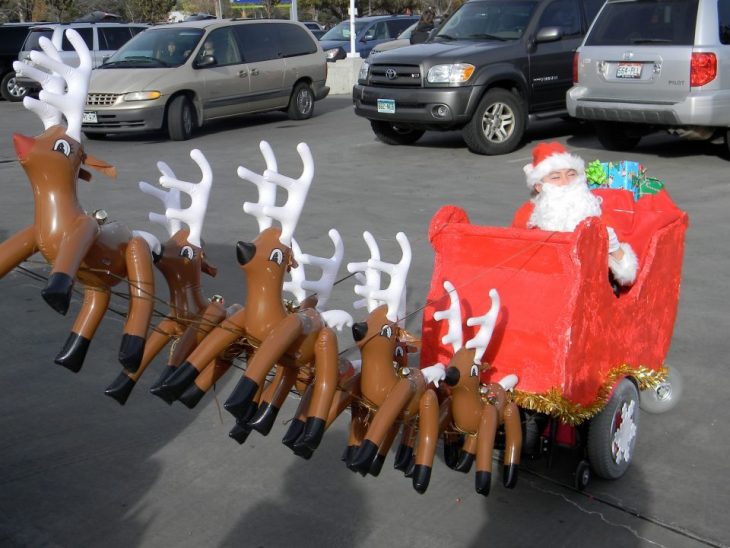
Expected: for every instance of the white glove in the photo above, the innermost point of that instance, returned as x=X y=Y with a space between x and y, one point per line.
x=613 y=244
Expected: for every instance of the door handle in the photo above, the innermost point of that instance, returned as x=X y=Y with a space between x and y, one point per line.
x=242 y=73
x=254 y=72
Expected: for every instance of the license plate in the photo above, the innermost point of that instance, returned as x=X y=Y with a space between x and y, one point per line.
x=629 y=70
x=89 y=118
x=386 y=106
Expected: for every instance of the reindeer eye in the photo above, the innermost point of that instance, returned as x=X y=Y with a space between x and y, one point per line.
x=386 y=331
x=399 y=353
x=474 y=371
x=62 y=146
x=277 y=255
x=187 y=252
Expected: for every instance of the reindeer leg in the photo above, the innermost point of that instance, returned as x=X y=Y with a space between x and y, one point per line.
x=468 y=454
x=281 y=337
x=16 y=249
x=241 y=430
x=358 y=419
x=203 y=382
x=452 y=440
x=141 y=302
x=384 y=418
x=377 y=464
x=297 y=424
x=96 y=302
x=428 y=433
x=513 y=444
x=273 y=398
x=485 y=436
x=346 y=393
x=404 y=454
x=122 y=386
x=72 y=250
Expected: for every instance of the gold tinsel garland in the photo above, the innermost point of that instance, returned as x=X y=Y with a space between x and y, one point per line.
x=553 y=402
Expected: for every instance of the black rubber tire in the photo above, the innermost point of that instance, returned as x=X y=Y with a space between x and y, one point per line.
x=616 y=136
x=95 y=136
x=301 y=102
x=605 y=458
x=498 y=124
x=392 y=134
x=10 y=90
x=180 y=119
x=582 y=475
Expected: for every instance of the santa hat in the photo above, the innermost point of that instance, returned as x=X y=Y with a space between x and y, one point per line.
x=549 y=157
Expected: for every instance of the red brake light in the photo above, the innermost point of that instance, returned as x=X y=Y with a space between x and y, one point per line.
x=576 y=59
x=703 y=69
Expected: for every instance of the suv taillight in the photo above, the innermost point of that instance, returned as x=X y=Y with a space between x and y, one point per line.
x=703 y=69
x=576 y=59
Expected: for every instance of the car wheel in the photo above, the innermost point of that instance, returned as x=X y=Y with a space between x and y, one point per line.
x=10 y=89
x=94 y=136
x=301 y=103
x=393 y=134
x=616 y=136
x=612 y=433
x=498 y=124
x=180 y=119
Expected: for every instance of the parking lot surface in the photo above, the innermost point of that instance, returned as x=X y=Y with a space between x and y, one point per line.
x=77 y=469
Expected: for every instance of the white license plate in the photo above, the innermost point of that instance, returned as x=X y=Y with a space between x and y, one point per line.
x=89 y=118
x=386 y=106
x=629 y=70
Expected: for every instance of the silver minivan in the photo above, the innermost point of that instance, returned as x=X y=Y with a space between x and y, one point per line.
x=647 y=65
x=178 y=77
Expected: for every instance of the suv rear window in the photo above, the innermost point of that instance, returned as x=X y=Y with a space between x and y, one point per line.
x=670 y=22
x=32 y=40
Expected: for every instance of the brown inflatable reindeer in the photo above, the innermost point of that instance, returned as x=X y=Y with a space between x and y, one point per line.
x=181 y=260
x=77 y=245
x=391 y=394
x=478 y=409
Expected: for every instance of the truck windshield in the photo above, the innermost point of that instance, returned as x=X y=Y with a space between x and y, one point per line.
x=491 y=20
x=155 y=48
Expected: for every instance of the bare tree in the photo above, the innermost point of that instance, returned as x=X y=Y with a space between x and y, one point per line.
x=148 y=11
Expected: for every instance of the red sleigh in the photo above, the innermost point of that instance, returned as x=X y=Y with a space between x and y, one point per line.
x=579 y=348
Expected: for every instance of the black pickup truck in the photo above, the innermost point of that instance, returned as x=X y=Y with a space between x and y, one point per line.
x=489 y=68
x=12 y=36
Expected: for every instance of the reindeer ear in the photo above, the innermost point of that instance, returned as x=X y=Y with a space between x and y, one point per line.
x=100 y=166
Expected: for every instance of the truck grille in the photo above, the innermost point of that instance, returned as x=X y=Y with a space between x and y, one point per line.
x=101 y=99
x=396 y=75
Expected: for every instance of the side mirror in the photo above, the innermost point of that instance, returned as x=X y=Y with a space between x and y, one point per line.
x=205 y=61
x=548 y=34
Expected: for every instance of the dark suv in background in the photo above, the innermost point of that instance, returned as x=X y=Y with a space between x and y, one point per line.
x=489 y=68
x=12 y=36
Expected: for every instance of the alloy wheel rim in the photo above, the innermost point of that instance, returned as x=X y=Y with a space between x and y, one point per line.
x=304 y=101
x=498 y=122
x=14 y=89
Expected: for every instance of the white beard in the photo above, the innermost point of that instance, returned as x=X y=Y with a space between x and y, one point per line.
x=561 y=208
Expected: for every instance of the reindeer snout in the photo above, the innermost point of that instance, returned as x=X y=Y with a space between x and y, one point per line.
x=23 y=145
x=452 y=376
x=245 y=252
x=359 y=330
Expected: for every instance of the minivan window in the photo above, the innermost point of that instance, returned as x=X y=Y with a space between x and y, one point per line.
x=294 y=40
x=87 y=33
x=564 y=14
x=221 y=44
x=491 y=20
x=670 y=22
x=154 y=48
x=256 y=42
x=723 y=16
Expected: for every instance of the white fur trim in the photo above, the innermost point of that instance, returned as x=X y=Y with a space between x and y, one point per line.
x=624 y=271
x=552 y=163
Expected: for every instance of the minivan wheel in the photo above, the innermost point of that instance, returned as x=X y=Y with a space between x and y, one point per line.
x=301 y=103
x=498 y=124
x=10 y=89
x=180 y=119
x=616 y=136
x=392 y=134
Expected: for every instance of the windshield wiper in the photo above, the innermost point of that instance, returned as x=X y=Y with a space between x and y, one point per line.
x=484 y=36
x=650 y=41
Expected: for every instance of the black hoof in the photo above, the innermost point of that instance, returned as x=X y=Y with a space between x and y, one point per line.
x=120 y=389
x=296 y=427
x=421 y=478
x=192 y=396
x=183 y=377
x=411 y=468
x=169 y=370
x=465 y=462
x=240 y=432
x=313 y=432
x=240 y=400
x=73 y=353
x=349 y=453
x=264 y=419
x=483 y=482
x=509 y=475
x=303 y=451
x=131 y=351
x=377 y=466
x=57 y=292
x=403 y=457
x=451 y=454
x=364 y=457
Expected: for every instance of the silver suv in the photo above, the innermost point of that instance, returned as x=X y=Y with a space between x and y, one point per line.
x=178 y=77
x=647 y=65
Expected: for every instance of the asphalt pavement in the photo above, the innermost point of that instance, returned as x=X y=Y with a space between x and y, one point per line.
x=77 y=469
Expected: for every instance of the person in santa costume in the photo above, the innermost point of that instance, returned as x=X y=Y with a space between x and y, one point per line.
x=561 y=200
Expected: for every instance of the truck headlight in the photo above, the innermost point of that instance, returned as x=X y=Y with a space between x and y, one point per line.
x=142 y=96
x=364 y=69
x=458 y=73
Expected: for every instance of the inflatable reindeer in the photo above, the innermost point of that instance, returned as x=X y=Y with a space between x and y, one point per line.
x=181 y=260
x=391 y=394
x=78 y=246
x=478 y=409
